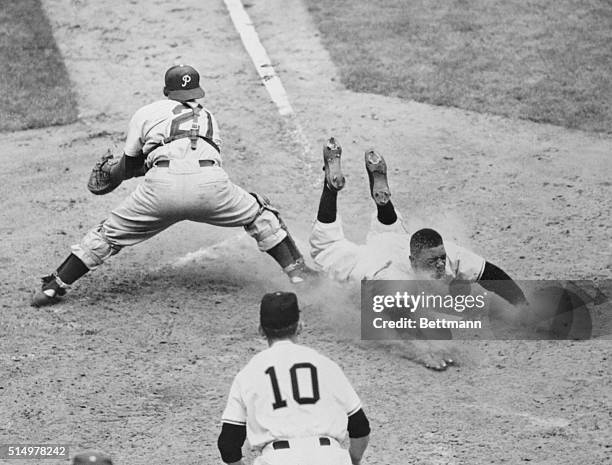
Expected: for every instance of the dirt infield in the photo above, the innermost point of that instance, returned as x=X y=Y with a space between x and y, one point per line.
x=139 y=358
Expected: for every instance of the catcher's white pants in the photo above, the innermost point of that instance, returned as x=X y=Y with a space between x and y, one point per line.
x=305 y=451
x=167 y=196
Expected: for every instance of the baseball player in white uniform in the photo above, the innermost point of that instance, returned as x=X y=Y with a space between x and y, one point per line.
x=293 y=404
x=175 y=144
x=391 y=251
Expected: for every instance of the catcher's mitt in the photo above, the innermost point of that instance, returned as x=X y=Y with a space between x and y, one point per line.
x=101 y=181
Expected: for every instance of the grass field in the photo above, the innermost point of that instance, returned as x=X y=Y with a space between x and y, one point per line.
x=546 y=61
x=35 y=90
x=543 y=61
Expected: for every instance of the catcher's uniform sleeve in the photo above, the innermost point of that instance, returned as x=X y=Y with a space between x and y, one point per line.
x=465 y=264
x=216 y=138
x=235 y=411
x=134 y=141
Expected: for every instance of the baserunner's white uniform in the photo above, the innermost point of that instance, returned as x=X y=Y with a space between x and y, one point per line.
x=292 y=393
x=385 y=255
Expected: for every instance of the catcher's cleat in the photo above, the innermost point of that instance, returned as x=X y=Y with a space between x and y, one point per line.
x=331 y=165
x=377 y=174
x=49 y=293
x=299 y=272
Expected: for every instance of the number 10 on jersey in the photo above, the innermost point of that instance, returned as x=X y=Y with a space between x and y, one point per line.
x=279 y=402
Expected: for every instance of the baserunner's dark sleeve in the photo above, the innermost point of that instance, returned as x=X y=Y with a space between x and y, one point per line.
x=358 y=424
x=230 y=442
x=497 y=280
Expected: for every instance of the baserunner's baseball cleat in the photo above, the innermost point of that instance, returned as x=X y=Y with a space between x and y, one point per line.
x=377 y=174
x=49 y=293
x=331 y=165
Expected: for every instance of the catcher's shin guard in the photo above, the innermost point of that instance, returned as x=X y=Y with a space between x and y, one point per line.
x=285 y=252
x=288 y=256
x=291 y=245
x=265 y=227
x=297 y=270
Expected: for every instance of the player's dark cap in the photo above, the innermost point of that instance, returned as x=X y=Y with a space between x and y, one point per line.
x=91 y=457
x=279 y=310
x=183 y=83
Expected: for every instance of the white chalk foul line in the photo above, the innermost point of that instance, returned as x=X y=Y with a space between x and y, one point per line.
x=252 y=44
x=271 y=81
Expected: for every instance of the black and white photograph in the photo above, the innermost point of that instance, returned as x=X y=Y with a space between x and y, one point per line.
x=306 y=232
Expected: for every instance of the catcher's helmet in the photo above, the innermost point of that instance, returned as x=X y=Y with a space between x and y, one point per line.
x=183 y=83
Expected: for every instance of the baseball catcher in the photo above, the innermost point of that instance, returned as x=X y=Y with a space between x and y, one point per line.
x=174 y=143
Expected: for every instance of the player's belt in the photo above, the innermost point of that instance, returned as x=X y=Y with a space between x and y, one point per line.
x=166 y=163
x=167 y=140
x=285 y=444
